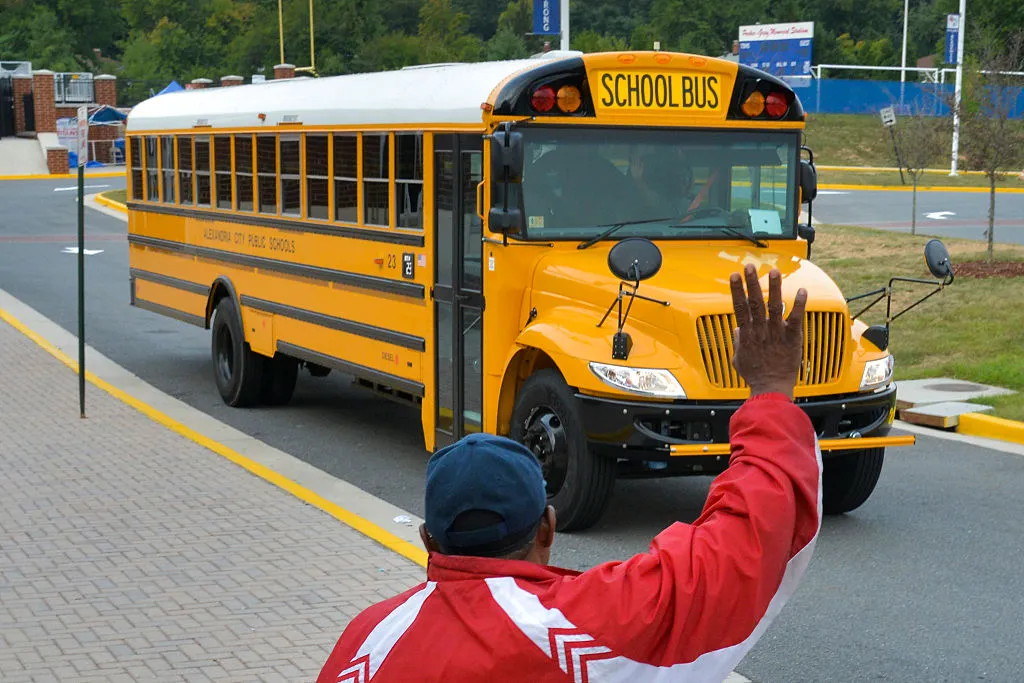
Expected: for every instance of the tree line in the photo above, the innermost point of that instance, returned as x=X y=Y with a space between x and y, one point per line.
x=149 y=42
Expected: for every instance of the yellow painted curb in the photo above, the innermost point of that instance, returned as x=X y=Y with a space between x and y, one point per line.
x=986 y=426
x=363 y=526
x=891 y=169
x=110 y=203
x=59 y=176
x=891 y=188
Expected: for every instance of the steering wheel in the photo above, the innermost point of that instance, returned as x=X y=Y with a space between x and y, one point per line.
x=705 y=212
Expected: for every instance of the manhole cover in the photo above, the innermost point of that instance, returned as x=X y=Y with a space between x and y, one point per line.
x=956 y=386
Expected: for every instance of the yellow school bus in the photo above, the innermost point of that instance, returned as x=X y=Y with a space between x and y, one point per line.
x=470 y=239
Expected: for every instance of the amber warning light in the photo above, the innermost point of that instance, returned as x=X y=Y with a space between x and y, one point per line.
x=567 y=99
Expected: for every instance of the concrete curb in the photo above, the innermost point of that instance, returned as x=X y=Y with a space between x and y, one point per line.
x=989 y=427
x=110 y=203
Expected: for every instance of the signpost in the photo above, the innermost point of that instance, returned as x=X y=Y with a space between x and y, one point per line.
x=83 y=152
x=952 y=38
x=888 y=115
x=959 y=23
x=782 y=50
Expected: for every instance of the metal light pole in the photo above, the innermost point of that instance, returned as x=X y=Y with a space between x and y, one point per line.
x=960 y=40
x=280 y=28
x=903 y=64
x=565 y=25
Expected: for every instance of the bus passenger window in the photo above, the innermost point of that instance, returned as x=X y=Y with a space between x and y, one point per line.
x=346 y=178
x=376 y=173
x=316 y=176
x=135 y=152
x=222 y=164
x=291 y=176
x=202 y=160
x=152 y=171
x=185 y=168
x=167 y=164
x=409 y=179
x=243 y=172
x=266 y=172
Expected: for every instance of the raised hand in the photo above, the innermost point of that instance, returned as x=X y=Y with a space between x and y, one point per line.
x=768 y=349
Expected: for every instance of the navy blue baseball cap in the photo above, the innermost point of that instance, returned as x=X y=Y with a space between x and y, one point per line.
x=490 y=478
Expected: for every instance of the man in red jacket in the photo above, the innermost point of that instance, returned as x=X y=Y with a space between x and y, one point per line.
x=688 y=609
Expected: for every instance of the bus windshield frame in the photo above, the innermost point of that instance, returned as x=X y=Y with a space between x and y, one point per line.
x=664 y=183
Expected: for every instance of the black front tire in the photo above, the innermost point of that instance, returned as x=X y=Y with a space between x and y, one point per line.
x=545 y=418
x=237 y=369
x=279 y=377
x=848 y=479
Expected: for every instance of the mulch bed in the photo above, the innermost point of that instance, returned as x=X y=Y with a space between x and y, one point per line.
x=981 y=269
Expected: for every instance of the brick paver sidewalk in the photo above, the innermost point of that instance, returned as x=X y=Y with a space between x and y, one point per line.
x=129 y=553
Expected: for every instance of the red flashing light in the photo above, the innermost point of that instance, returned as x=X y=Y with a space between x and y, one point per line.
x=776 y=105
x=543 y=99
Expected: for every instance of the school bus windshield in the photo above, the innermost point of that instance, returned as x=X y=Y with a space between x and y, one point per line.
x=669 y=184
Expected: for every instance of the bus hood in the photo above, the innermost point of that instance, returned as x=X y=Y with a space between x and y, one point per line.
x=576 y=285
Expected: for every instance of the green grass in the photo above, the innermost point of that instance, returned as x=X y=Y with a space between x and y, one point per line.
x=892 y=179
x=116 y=195
x=850 y=140
x=973 y=330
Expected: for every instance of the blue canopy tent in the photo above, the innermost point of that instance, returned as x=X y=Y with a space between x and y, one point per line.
x=106 y=115
x=173 y=86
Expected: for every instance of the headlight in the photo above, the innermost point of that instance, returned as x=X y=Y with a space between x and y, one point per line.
x=877 y=373
x=649 y=381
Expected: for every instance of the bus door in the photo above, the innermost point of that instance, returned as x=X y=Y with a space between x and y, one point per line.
x=458 y=287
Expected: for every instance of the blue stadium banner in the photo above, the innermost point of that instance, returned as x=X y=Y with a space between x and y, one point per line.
x=783 y=50
x=952 y=38
x=547 y=17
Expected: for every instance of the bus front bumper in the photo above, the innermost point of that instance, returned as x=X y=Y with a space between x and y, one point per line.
x=643 y=430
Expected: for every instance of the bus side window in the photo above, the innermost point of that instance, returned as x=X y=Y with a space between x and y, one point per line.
x=222 y=167
x=409 y=179
x=152 y=171
x=135 y=160
x=346 y=178
x=316 y=176
x=243 y=172
x=185 y=168
x=201 y=157
x=167 y=165
x=291 y=175
x=266 y=172
x=376 y=178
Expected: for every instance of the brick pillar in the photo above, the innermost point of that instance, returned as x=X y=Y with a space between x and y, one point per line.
x=22 y=87
x=284 y=71
x=105 y=90
x=43 y=98
x=231 y=80
x=198 y=83
x=57 y=160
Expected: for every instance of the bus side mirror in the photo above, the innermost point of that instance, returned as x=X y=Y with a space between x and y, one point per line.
x=507 y=212
x=808 y=181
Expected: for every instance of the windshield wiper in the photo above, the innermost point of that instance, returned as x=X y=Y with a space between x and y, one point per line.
x=735 y=232
x=615 y=226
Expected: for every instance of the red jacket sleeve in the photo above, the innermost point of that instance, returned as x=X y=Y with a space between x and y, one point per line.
x=708 y=590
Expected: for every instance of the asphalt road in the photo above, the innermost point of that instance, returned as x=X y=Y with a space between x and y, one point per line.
x=940 y=214
x=923 y=583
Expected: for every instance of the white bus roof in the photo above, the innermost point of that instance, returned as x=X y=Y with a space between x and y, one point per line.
x=431 y=94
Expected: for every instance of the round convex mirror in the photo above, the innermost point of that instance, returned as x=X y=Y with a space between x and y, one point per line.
x=634 y=258
x=937 y=257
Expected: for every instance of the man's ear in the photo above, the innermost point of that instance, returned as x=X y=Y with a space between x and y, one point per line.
x=428 y=541
x=546 y=532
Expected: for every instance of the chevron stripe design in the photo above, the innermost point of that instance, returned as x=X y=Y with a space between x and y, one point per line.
x=357 y=672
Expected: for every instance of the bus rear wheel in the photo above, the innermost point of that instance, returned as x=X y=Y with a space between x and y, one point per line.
x=545 y=420
x=279 y=377
x=848 y=479
x=237 y=369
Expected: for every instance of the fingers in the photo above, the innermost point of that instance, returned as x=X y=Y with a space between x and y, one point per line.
x=795 y=321
x=739 y=300
x=775 y=298
x=755 y=299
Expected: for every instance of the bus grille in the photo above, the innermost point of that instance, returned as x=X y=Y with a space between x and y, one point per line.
x=824 y=349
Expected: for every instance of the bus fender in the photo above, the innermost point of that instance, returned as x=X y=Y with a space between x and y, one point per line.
x=221 y=288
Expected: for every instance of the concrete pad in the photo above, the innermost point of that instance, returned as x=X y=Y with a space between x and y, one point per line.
x=22 y=156
x=917 y=392
x=942 y=415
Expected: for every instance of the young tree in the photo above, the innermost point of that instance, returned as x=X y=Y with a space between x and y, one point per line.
x=919 y=140
x=990 y=140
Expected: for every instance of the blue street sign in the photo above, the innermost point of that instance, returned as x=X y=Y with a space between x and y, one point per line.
x=952 y=38
x=547 y=17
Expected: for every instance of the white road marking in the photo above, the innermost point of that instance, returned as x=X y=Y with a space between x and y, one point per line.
x=832 y=192
x=940 y=215
x=75 y=187
x=87 y=252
